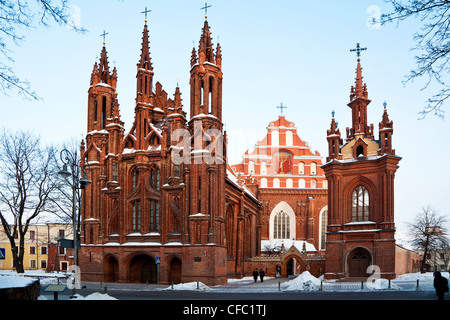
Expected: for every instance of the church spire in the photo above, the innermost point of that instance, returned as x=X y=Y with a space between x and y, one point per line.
x=359 y=100
x=144 y=70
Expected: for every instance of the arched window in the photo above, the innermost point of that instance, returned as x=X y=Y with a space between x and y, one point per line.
x=263 y=183
x=360 y=204
x=313 y=184
x=281 y=226
x=289 y=183
x=263 y=167
x=289 y=138
x=154 y=216
x=301 y=168
x=275 y=138
x=301 y=183
x=313 y=168
x=276 y=183
x=135 y=178
x=136 y=216
x=154 y=178
x=251 y=167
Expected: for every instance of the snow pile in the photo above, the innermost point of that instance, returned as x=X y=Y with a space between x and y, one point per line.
x=94 y=296
x=304 y=282
x=189 y=286
x=381 y=284
x=12 y=281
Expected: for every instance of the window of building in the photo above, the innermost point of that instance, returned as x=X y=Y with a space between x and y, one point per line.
x=313 y=184
x=289 y=138
x=32 y=235
x=44 y=250
x=251 y=167
x=360 y=204
x=43 y=264
x=32 y=250
x=323 y=228
x=301 y=168
x=154 y=216
x=289 y=183
x=263 y=183
x=276 y=183
x=281 y=226
x=313 y=168
x=136 y=216
x=263 y=167
x=154 y=178
x=33 y=264
x=301 y=183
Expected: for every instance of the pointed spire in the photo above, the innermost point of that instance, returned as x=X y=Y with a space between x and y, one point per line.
x=205 y=49
x=193 y=57
x=360 y=88
x=103 y=67
x=145 y=61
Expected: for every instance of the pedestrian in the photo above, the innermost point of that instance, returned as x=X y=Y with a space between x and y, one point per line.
x=255 y=274
x=261 y=275
x=440 y=285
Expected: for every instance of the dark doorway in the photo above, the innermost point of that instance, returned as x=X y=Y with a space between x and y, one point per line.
x=359 y=261
x=175 y=271
x=290 y=267
x=143 y=269
x=111 y=270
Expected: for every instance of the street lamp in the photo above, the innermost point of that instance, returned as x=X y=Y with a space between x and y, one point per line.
x=77 y=183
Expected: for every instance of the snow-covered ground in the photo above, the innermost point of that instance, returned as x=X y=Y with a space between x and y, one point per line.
x=302 y=282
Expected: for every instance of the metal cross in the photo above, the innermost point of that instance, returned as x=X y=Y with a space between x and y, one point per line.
x=358 y=50
x=146 y=12
x=206 y=9
x=281 y=108
x=104 y=35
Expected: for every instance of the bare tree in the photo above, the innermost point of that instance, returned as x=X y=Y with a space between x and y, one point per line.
x=428 y=232
x=27 y=182
x=431 y=43
x=16 y=16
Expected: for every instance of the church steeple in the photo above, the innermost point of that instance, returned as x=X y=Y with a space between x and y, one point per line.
x=359 y=100
x=144 y=70
x=206 y=77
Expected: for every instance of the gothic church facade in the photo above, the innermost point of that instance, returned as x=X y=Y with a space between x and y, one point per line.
x=163 y=206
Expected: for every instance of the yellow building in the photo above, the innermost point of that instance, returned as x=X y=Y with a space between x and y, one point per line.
x=42 y=250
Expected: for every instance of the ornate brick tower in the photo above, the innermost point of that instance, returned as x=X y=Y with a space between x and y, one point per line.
x=207 y=172
x=360 y=176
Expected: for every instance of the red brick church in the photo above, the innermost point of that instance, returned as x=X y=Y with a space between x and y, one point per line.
x=165 y=206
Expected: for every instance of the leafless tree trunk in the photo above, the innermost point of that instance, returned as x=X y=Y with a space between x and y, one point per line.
x=27 y=182
x=428 y=232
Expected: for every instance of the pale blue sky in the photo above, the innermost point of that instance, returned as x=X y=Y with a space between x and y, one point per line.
x=291 y=52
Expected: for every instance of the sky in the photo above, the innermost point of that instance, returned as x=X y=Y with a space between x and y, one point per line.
x=285 y=51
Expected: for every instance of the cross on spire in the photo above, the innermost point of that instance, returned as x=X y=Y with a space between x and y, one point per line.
x=281 y=107
x=206 y=9
x=104 y=34
x=358 y=50
x=146 y=11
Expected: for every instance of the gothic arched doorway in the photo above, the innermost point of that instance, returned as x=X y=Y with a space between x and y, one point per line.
x=143 y=269
x=111 y=270
x=358 y=262
x=290 y=267
x=175 y=271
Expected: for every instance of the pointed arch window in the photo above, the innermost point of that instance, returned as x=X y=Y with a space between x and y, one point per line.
x=360 y=204
x=281 y=226
x=155 y=178
x=154 y=216
x=136 y=216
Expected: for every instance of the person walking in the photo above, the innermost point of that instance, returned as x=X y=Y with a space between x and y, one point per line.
x=261 y=275
x=255 y=274
x=440 y=285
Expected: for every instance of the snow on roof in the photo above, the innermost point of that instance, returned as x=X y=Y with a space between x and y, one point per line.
x=298 y=244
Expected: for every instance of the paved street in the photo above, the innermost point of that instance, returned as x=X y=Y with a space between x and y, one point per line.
x=271 y=289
